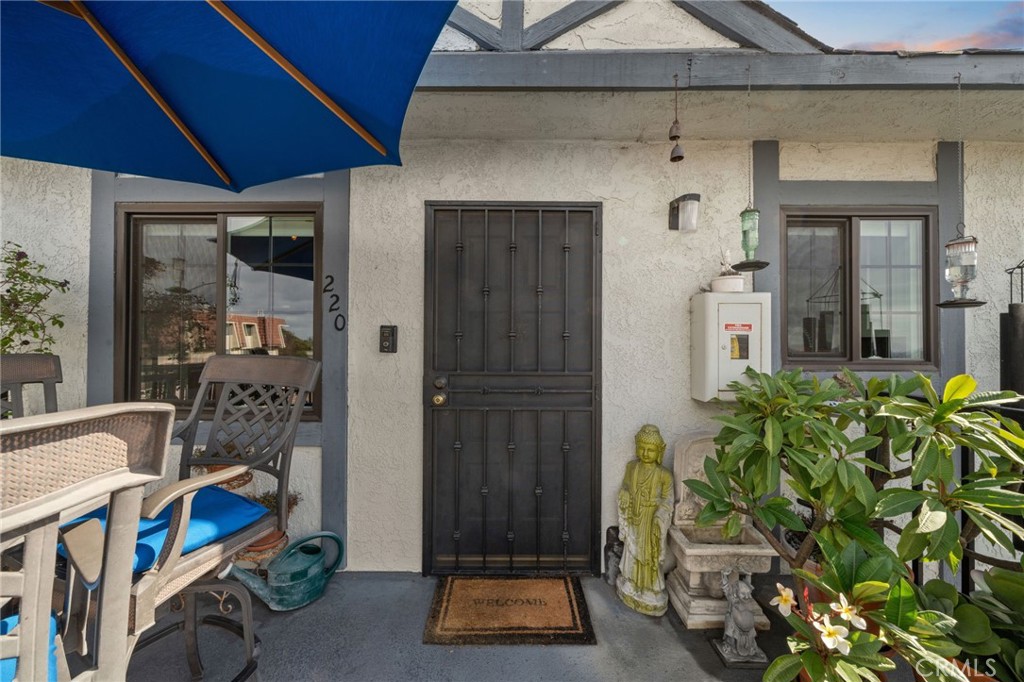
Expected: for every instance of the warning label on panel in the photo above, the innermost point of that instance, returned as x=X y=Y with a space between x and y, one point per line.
x=739 y=327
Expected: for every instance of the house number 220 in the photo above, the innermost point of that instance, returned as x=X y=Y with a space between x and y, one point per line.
x=335 y=305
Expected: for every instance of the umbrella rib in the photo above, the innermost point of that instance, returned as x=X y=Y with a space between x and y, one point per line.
x=279 y=59
x=154 y=94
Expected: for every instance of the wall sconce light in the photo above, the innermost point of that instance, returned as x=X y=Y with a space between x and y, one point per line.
x=683 y=212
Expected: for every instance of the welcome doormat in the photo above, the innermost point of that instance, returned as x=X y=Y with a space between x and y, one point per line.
x=509 y=610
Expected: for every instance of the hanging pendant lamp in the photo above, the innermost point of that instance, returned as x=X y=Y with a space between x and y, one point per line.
x=961 y=251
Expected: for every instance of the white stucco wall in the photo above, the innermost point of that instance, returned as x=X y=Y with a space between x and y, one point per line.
x=993 y=197
x=45 y=208
x=641 y=25
x=888 y=161
x=649 y=274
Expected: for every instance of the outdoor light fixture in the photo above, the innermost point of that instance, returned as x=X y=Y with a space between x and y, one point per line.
x=682 y=213
x=674 y=132
x=749 y=216
x=961 y=251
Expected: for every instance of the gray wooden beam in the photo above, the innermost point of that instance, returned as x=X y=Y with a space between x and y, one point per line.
x=638 y=71
x=747 y=26
x=486 y=35
x=512 y=25
x=564 y=20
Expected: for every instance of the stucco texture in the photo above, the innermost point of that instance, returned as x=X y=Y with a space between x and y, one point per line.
x=641 y=25
x=46 y=209
x=889 y=161
x=649 y=274
x=993 y=197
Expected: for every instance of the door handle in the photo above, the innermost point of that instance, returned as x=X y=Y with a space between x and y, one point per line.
x=439 y=399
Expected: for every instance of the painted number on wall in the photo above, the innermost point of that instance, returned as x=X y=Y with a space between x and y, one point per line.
x=335 y=303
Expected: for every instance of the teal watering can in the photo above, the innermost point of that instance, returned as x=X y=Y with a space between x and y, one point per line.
x=295 y=577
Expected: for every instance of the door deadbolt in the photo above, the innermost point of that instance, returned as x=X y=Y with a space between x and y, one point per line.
x=439 y=399
x=441 y=383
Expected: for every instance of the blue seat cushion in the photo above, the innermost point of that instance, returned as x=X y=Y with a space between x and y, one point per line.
x=216 y=514
x=9 y=666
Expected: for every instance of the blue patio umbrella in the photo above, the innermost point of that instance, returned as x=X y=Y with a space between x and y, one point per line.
x=229 y=94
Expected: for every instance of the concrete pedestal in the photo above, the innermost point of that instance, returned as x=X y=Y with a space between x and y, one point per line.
x=694 y=587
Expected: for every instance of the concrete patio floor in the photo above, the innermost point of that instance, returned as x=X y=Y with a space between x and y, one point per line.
x=369 y=626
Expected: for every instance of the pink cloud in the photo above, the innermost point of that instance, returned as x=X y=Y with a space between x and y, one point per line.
x=1006 y=33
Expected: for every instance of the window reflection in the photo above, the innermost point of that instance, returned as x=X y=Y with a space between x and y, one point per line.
x=270 y=285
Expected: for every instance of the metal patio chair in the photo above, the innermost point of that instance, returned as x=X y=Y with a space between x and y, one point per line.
x=21 y=369
x=54 y=467
x=258 y=402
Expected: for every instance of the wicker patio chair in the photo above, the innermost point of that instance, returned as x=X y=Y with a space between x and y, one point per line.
x=19 y=370
x=259 y=401
x=54 y=467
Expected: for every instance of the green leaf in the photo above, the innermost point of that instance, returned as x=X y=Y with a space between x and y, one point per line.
x=959 y=387
x=863 y=444
x=929 y=391
x=783 y=669
x=876 y=569
x=847 y=673
x=900 y=607
x=703 y=489
x=732 y=526
x=932 y=516
x=709 y=515
x=864 y=591
x=789 y=519
x=926 y=461
x=991 y=531
x=773 y=435
x=813 y=664
x=896 y=501
x=972 y=625
x=911 y=544
x=767 y=516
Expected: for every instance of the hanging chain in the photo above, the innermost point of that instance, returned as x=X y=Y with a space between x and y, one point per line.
x=750 y=154
x=960 y=155
x=676 y=79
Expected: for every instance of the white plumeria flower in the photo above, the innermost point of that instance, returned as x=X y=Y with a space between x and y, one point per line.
x=833 y=635
x=849 y=612
x=785 y=601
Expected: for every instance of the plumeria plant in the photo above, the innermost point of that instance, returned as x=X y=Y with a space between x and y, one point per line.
x=26 y=325
x=864 y=456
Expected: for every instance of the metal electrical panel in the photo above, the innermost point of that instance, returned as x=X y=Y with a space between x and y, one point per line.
x=728 y=333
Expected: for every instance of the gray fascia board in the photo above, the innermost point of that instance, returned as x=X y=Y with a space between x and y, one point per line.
x=749 y=28
x=652 y=71
x=486 y=35
x=564 y=20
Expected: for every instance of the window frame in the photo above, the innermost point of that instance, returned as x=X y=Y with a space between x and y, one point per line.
x=852 y=216
x=127 y=271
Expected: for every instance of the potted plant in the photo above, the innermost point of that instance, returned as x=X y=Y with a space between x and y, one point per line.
x=26 y=325
x=795 y=425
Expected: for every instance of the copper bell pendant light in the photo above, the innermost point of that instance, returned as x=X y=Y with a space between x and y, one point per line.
x=961 y=251
x=675 y=131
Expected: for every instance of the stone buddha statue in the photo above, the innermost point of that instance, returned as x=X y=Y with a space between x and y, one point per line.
x=646 y=499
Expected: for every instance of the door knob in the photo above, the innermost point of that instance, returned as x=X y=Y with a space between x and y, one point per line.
x=439 y=399
x=441 y=382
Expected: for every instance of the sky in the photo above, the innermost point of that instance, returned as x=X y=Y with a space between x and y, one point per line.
x=919 y=25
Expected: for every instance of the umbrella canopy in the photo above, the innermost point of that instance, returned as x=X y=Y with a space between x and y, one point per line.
x=224 y=94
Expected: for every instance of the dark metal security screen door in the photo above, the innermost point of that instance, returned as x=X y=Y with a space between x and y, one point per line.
x=512 y=388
